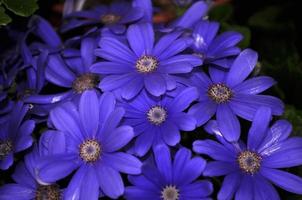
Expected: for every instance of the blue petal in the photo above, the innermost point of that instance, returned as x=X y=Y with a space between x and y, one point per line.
x=196 y=190
x=117 y=139
x=138 y=193
x=214 y=150
x=219 y=168
x=285 y=180
x=259 y=127
x=229 y=186
x=170 y=133
x=245 y=190
x=191 y=171
x=16 y=192
x=242 y=67
x=163 y=161
x=123 y=162
x=89 y=112
x=193 y=14
x=184 y=99
x=23 y=177
x=280 y=131
x=131 y=89
x=144 y=142
x=88 y=45
x=155 y=84
x=115 y=51
x=110 y=181
x=110 y=68
x=24 y=139
x=255 y=85
x=286 y=154
x=90 y=185
x=228 y=123
x=66 y=118
x=56 y=167
x=203 y=111
x=141 y=38
x=264 y=190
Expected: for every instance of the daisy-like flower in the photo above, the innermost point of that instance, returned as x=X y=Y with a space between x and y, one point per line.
x=115 y=16
x=15 y=134
x=72 y=73
x=92 y=138
x=159 y=120
x=164 y=178
x=213 y=48
x=228 y=94
x=27 y=184
x=145 y=65
x=250 y=169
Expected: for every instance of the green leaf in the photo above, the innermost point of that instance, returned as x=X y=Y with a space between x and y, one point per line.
x=22 y=8
x=221 y=13
x=4 y=18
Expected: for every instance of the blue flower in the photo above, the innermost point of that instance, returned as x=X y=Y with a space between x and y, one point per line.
x=115 y=17
x=170 y=180
x=145 y=65
x=159 y=120
x=250 y=169
x=92 y=139
x=27 y=184
x=228 y=94
x=213 y=49
x=72 y=72
x=15 y=134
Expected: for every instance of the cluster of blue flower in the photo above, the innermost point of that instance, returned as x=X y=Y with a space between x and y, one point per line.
x=115 y=99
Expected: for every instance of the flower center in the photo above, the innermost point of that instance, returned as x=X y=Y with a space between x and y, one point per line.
x=48 y=192
x=146 y=64
x=249 y=162
x=6 y=148
x=170 y=192
x=157 y=115
x=220 y=93
x=110 y=19
x=85 y=82
x=90 y=150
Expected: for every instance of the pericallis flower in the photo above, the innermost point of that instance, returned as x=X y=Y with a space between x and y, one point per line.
x=165 y=179
x=92 y=139
x=213 y=49
x=250 y=169
x=72 y=73
x=115 y=16
x=27 y=184
x=15 y=134
x=159 y=120
x=228 y=94
x=145 y=65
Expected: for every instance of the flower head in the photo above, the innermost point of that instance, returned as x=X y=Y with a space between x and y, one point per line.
x=250 y=169
x=170 y=179
x=15 y=134
x=228 y=94
x=71 y=72
x=212 y=48
x=145 y=64
x=27 y=183
x=91 y=137
x=115 y=17
x=159 y=120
